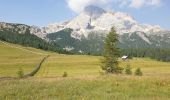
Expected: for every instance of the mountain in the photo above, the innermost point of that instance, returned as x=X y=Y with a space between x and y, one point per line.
x=97 y=19
x=86 y=32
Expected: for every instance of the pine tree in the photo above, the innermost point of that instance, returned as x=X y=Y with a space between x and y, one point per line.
x=111 y=53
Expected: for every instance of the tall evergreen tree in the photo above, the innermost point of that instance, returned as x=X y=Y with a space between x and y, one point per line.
x=111 y=53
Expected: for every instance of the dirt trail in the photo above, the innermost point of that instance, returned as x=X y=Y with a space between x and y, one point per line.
x=37 y=68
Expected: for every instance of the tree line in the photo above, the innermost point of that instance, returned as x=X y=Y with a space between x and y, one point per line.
x=30 y=40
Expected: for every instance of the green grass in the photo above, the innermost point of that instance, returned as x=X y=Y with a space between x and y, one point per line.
x=149 y=67
x=14 y=57
x=74 y=65
x=85 y=79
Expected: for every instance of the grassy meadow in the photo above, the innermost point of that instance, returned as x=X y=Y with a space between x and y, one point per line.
x=85 y=80
x=14 y=57
x=73 y=65
x=79 y=65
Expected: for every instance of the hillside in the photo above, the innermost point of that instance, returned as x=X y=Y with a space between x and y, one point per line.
x=22 y=34
x=13 y=57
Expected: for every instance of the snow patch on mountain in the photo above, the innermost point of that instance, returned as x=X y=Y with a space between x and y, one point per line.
x=142 y=35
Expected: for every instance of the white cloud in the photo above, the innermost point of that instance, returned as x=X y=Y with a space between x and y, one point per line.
x=155 y=2
x=78 y=5
x=137 y=3
x=142 y=3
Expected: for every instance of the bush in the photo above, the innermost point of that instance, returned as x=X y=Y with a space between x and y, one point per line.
x=128 y=70
x=138 y=72
x=20 y=73
x=65 y=74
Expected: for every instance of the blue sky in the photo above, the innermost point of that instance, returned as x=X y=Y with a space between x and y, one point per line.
x=44 y=12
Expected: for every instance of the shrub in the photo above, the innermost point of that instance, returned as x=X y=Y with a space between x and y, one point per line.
x=20 y=73
x=65 y=74
x=138 y=72
x=128 y=70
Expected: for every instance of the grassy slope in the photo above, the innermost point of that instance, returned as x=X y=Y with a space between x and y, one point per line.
x=13 y=57
x=83 y=82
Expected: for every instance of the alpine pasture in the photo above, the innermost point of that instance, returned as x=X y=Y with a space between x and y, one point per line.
x=85 y=80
